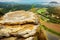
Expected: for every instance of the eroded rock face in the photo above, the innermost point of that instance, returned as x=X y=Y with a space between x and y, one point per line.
x=10 y=38
x=19 y=23
x=15 y=38
x=22 y=30
x=19 y=17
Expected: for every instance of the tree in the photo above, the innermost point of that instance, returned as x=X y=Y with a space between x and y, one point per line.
x=54 y=10
x=1 y=11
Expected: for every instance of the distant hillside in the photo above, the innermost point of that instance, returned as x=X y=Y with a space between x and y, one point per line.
x=7 y=4
x=12 y=6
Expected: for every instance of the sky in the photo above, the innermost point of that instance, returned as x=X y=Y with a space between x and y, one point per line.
x=28 y=1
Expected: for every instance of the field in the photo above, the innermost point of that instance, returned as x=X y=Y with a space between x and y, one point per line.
x=52 y=26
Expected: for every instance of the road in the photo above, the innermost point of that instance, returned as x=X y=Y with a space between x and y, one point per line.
x=52 y=37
